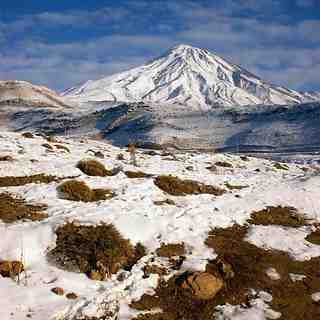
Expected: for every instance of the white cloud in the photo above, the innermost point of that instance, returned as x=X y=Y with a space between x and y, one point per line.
x=277 y=50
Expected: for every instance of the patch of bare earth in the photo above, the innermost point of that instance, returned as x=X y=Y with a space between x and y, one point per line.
x=13 y=208
x=242 y=266
x=178 y=187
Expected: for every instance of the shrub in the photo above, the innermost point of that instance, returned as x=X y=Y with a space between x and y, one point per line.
x=178 y=187
x=94 y=250
x=171 y=249
x=75 y=190
x=94 y=168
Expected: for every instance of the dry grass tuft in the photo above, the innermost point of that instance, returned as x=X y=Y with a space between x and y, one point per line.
x=284 y=216
x=62 y=147
x=234 y=187
x=281 y=166
x=223 y=164
x=47 y=146
x=94 y=250
x=178 y=187
x=28 y=135
x=75 y=190
x=164 y=202
x=137 y=174
x=94 y=168
x=37 y=178
x=14 y=209
x=171 y=250
x=6 y=159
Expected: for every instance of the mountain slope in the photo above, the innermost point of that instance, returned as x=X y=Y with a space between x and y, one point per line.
x=26 y=94
x=190 y=76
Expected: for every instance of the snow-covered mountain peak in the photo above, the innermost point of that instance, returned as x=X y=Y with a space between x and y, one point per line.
x=189 y=76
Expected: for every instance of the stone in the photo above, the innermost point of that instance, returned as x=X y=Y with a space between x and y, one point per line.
x=203 y=285
x=9 y=269
x=58 y=291
x=71 y=296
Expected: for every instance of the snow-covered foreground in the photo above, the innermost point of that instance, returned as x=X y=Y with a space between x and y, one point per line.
x=135 y=215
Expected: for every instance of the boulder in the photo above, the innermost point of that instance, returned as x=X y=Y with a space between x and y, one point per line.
x=203 y=285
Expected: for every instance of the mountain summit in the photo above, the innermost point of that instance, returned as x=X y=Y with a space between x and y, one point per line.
x=189 y=76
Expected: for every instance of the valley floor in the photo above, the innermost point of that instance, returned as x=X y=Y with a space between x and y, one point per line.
x=250 y=185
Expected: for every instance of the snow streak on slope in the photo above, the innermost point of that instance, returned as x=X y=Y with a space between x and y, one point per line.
x=189 y=76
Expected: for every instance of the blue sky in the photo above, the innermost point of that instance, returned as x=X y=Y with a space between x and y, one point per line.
x=62 y=43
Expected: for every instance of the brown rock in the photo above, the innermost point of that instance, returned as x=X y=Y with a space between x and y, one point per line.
x=58 y=291
x=71 y=296
x=203 y=285
x=9 y=269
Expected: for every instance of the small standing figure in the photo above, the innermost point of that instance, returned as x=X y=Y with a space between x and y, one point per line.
x=132 y=150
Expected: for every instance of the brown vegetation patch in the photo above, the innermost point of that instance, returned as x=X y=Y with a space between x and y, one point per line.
x=6 y=159
x=62 y=147
x=94 y=168
x=244 y=158
x=314 y=237
x=27 y=135
x=21 y=181
x=94 y=250
x=137 y=174
x=51 y=139
x=171 y=249
x=223 y=164
x=13 y=208
x=153 y=268
x=281 y=166
x=284 y=216
x=163 y=202
x=178 y=187
x=292 y=299
x=243 y=267
x=234 y=187
x=75 y=190
x=48 y=146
